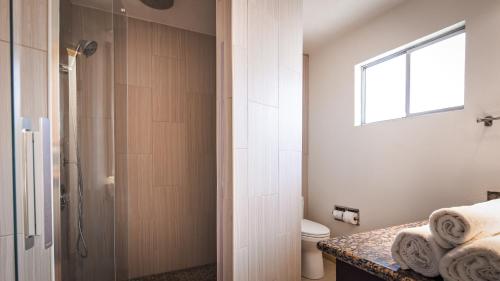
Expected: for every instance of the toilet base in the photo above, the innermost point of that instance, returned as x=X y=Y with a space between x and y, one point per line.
x=312 y=260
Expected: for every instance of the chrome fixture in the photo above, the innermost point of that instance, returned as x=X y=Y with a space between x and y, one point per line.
x=159 y=4
x=86 y=47
x=487 y=120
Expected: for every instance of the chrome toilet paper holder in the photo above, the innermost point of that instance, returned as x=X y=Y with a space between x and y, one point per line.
x=345 y=209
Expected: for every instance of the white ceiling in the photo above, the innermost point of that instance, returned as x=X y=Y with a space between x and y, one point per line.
x=194 y=15
x=325 y=20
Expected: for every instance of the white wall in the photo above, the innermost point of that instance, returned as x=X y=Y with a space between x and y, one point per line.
x=401 y=170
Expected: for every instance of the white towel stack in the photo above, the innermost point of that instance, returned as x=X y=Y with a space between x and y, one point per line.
x=460 y=243
x=478 y=260
x=455 y=226
x=415 y=248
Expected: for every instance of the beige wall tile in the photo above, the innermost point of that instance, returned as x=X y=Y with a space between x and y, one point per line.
x=199 y=59
x=139 y=120
x=143 y=249
x=121 y=218
x=269 y=123
x=6 y=206
x=120 y=118
x=7 y=258
x=167 y=41
x=290 y=109
x=120 y=48
x=173 y=228
x=139 y=41
x=290 y=34
x=169 y=154
x=33 y=82
x=240 y=96
x=263 y=249
x=305 y=131
x=4 y=20
x=95 y=73
x=241 y=266
x=262 y=149
x=241 y=197
x=263 y=50
x=140 y=187
x=239 y=19
x=290 y=184
x=30 y=23
x=169 y=97
x=183 y=164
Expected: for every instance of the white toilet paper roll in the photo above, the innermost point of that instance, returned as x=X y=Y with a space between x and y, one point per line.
x=350 y=217
x=338 y=214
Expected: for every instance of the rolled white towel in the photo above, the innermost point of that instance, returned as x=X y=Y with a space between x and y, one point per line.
x=458 y=225
x=415 y=248
x=475 y=261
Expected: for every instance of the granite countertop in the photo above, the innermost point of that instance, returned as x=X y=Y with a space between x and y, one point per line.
x=371 y=252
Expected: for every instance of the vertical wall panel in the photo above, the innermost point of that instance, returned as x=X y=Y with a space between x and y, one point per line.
x=305 y=131
x=267 y=124
x=171 y=123
x=30 y=23
x=139 y=120
x=139 y=45
x=7 y=258
x=6 y=206
x=262 y=149
x=263 y=48
x=225 y=202
x=34 y=79
x=4 y=20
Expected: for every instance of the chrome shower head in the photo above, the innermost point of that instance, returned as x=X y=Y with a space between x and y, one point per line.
x=86 y=47
x=159 y=4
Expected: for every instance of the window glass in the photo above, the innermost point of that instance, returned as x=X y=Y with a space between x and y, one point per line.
x=434 y=82
x=437 y=75
x=385 y=90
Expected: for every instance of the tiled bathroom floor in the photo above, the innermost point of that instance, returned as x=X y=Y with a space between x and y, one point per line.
x=202 y=273
x=330 y=272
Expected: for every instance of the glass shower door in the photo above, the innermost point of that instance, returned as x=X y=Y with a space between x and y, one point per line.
x=31 y=140
x=90 y=170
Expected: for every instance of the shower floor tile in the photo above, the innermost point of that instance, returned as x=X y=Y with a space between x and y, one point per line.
x=202 y=273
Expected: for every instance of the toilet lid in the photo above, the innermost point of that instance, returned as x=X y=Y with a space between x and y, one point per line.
x=310 y=228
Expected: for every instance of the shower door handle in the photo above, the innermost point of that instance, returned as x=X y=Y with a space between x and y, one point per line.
x=44 y=166
x=28 y=174
x=37 y=183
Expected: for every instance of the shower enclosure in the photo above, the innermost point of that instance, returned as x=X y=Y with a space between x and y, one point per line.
x=87 y=159
x=137 y=118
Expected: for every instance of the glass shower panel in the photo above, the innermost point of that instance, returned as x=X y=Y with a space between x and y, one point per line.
x=92 y=167
x=31 y=135
x=7 y=229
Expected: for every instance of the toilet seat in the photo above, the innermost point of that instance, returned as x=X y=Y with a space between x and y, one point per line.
x=312 y=229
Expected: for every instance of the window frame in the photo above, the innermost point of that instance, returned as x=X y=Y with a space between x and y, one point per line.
x=407 y=53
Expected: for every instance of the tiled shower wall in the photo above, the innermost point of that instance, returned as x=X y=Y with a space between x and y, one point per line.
x=171 y=148
x=6 y=206
x=267 y=138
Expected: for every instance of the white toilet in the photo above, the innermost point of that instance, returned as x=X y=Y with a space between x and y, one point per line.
x=312 y=257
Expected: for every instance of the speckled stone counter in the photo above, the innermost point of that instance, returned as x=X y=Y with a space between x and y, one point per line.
x=371 y=252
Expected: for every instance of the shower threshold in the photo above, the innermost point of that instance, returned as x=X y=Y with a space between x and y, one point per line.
x=201 y=273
